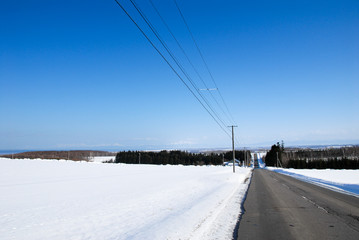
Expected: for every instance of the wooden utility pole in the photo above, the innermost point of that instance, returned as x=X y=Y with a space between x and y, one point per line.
x=234 y=154
x=278 y=162
x=245 y=157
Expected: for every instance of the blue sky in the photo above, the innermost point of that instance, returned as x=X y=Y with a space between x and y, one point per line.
x=79 y=74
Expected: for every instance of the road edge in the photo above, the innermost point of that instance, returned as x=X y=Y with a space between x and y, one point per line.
x=236 y=228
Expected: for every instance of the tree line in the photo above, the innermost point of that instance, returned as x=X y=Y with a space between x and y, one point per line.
x=334 y=163
x=74 y=155
x=334 y=158
x=351 y=153
x=175 y=157
x=275 y=155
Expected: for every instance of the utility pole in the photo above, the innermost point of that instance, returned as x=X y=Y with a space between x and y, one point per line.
x=245 y=157
x=278 y=162
x=234 y=154
x=139 y=158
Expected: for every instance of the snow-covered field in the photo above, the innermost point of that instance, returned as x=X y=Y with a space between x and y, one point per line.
x=339 y=180
x=50 y=199
x=102 y=159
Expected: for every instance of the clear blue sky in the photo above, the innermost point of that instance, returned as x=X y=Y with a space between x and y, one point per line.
x=79 y=74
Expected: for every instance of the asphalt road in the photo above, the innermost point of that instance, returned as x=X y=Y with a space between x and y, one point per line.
x=281 y=207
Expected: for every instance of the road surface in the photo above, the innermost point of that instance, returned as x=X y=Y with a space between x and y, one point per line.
x=281 y=207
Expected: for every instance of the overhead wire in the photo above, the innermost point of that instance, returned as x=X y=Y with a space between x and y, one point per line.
x=202 y=57
x=153 y=29
x=166 y=60
x=188 y=59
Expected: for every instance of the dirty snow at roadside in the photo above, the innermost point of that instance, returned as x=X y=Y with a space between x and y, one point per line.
x=346 y=181
x=50 y=199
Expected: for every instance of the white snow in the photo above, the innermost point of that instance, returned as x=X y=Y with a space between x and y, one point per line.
x=50 y=199
x=346 y=181
x=330 y=175
x=101 y=159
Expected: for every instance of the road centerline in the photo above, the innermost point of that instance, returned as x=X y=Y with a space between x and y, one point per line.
x=280 y=207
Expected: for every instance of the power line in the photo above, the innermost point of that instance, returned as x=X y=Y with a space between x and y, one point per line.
x=164 y=58
x=153 y=29
x=188 y=59
x=204 y=61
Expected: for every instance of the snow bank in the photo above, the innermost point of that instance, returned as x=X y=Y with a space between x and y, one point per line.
x=80 y=200
x=339 y=180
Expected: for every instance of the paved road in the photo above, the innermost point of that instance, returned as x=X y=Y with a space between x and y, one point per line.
x=281 y=207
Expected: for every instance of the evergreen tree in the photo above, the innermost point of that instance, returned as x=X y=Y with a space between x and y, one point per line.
x=271 y=157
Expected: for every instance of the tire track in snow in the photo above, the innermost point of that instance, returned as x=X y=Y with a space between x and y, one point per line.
x=211 y=225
